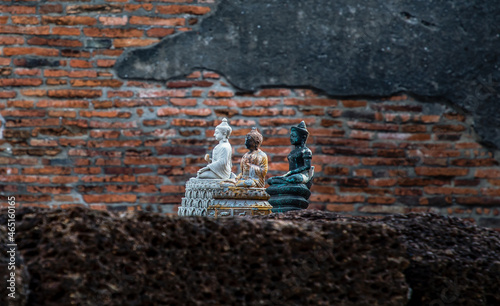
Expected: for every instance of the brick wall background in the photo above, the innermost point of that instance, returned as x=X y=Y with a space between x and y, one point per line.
x=72 y=133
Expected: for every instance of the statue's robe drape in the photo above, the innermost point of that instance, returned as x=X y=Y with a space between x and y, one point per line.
x=221 y=160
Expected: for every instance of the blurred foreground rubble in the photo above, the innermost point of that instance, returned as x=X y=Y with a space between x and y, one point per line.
x=86 y=257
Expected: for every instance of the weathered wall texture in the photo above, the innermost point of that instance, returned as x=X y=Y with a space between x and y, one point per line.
x=74 y=133
x=446 y=49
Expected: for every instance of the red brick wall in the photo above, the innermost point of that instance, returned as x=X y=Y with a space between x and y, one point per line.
x=75 y=134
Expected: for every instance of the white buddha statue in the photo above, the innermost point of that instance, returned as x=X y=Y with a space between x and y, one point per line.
x=220 y=164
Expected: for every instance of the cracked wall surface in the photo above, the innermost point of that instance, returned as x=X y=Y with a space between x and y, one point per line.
x=444 y=49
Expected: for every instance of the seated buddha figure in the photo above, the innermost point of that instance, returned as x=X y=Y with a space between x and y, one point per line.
x=220 y=164
x=253 y=163
x=299 y=159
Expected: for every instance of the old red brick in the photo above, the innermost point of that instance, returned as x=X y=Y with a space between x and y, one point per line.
x=11 y=40
x=178 y=93
x=311 y=101
x=66 y=31
x=450 y=190
x=428 y=118
x=285 y=121
x=7 y=94
x=482 y=162
x=438 y=171
x=20 y=104
x=198 y=112
x=448 y=128
x=75 y=93
x=337 y=198
x=75 y=63
x=48 y=170
x=43 y=142
x=220 y=94
x=487 y=173
x=104 y=134
x=151 y=21
x=382 y=182
x=25 y=71
x=112 y=125
x=380 y=200
x=182 y=9
x=54 y=42
x=32 y=122
x=168 y=111
x=105 y=114
x=113 y=143
x=63 y=103
x=50 y=8
x=105 y=63
x=48 y=189
x=36 y=30
x=96 y=83
x=69 y=20
x=258 y=112
x=110 y=198
x=133 y=42
x=135 y=7
x=159 y=32
x=408 y=192
x=18 y=9
x=381 y=161
x=95 y=32
x=25 y=20
x=55 y=82
x=113 y=21
x=354 y=103
x=372 y=126
x=20 y=82
x=190 y=122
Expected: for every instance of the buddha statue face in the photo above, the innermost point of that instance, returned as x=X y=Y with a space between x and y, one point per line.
x=296 y=138
x=219 y=134
x=250 y=143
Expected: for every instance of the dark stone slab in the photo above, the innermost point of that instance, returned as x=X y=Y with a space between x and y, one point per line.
x=442 y=49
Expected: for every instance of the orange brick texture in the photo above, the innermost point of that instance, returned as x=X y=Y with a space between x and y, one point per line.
x=75 y=134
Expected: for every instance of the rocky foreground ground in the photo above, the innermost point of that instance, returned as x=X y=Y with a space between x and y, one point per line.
x=85 y=257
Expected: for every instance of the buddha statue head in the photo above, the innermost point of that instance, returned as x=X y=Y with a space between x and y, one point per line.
x=253 y=139
x=299 y=134
x=223 y=130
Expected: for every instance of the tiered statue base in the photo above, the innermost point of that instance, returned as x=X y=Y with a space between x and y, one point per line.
x=236 y=201
x=286 y=197
x=199 y=196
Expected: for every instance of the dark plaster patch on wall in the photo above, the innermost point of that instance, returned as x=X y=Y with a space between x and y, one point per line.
x=447 y=49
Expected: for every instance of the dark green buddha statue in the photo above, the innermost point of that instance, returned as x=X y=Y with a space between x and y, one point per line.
x=291 y=191
x=299 y=160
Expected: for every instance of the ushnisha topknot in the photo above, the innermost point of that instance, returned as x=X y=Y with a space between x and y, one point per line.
x=301 y=129
x=256 y=136
x=225 y=128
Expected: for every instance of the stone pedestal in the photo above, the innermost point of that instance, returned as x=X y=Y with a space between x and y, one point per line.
x=199 y=196
x=237 y=201
x=288 y=197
